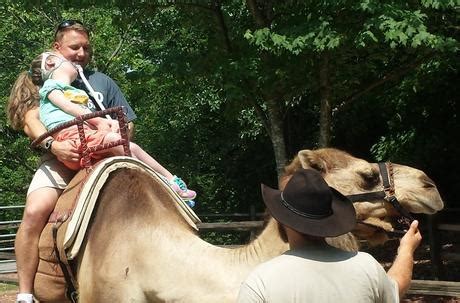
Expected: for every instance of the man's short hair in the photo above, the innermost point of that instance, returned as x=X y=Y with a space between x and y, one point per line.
x=68 y=25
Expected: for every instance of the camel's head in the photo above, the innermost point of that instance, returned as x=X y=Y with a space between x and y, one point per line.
x=415 y=191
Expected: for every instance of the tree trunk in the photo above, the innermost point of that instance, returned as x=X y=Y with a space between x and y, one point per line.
x=325 y=119
x=275 y=122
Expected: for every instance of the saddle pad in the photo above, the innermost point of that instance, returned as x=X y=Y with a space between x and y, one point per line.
x=80 y=219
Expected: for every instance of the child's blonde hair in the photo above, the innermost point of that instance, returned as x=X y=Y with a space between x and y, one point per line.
x=24 y=94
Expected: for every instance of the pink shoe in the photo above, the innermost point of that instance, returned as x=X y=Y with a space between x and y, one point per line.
x=180 y=187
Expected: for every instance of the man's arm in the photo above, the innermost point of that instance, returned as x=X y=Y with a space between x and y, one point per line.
x=401 y=270
x=34 y=128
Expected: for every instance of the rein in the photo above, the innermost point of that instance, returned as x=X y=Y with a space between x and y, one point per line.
x=387 y=193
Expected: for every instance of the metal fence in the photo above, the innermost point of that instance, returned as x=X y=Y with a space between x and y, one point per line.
x=8 y=229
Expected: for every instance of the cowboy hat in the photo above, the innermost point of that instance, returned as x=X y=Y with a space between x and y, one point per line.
x=309 y=206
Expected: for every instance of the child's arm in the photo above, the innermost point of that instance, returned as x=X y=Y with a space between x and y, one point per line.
x=57 y=98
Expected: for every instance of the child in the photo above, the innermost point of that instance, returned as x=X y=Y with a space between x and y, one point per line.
x=60 y=102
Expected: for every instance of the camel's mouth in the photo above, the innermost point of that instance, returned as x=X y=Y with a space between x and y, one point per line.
x=400 y=224
x=378 y=230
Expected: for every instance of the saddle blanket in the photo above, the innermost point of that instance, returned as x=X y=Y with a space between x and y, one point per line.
x=81 y=215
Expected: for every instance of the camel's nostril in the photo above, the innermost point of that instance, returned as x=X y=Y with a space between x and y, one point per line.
x=427 y=182
x=428 y=185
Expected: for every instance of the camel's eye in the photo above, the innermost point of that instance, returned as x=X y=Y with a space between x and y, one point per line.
x=370 y=178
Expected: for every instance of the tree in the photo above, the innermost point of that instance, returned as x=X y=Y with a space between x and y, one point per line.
x=226 y=92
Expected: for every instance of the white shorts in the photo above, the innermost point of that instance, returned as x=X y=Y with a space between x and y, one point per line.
x=51 y=173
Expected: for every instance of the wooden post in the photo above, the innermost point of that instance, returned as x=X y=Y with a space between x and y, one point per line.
x=435 y=247
x=252 y=217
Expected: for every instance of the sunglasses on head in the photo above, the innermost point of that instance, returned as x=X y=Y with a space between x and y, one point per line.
x=66 y=23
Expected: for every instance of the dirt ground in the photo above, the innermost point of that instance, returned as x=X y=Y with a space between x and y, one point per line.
x=8 y=296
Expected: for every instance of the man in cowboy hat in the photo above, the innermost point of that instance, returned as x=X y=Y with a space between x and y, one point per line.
x=308 y=210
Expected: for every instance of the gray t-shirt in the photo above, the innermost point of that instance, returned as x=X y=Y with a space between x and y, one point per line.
x=319 y=274
x=111 y=93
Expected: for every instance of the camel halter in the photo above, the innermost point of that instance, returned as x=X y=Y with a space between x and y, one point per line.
x=388 y=192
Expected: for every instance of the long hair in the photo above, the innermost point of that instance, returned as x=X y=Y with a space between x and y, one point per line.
x=24 y=94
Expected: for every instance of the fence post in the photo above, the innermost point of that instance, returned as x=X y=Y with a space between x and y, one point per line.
x=252 y=217
x=435 y=247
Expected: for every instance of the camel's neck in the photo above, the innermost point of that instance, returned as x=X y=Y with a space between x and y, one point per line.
x=269 y=245
x=266 y=246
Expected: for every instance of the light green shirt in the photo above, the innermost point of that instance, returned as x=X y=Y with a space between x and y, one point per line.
x=319 y=274
x=52 y=115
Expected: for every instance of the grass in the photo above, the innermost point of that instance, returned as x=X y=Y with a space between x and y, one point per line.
x=7 y=287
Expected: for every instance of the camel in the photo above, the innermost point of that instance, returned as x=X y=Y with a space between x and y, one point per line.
x=140 y=249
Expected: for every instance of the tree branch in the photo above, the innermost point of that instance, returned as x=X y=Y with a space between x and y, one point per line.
x=259 y=18
x=325 y=115
x=395 y=74
x=44 y=14
x=223 y=26
x=263 y=117
x=117 y=50
x=178 y=3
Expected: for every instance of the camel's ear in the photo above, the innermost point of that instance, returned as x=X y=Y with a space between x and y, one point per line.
x=311 y=159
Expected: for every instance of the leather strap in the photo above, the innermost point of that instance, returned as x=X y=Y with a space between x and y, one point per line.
x=71 y=290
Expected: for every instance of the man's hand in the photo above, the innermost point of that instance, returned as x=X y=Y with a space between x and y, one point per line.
x=34 y=128
x=411 y=239
x=401 y=270
x=65 y=151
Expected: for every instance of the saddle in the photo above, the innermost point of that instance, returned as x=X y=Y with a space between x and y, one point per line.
x=63 y=236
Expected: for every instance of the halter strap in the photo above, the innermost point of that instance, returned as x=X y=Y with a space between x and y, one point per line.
x=388 y=192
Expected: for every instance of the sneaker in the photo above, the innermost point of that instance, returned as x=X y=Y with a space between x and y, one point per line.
x=24 y=298
x=179 y=186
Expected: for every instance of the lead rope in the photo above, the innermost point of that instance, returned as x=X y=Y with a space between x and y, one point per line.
x=96 y=96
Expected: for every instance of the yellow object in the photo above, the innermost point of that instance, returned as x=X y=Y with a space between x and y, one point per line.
x=76 y=97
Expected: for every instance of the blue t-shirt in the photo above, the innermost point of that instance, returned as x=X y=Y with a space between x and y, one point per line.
x=111 y=93
x=52 y=115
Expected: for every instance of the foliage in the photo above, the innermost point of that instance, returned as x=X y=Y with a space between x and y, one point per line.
x=206 y=77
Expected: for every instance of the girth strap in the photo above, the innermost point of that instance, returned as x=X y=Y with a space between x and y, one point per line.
x=71 y=291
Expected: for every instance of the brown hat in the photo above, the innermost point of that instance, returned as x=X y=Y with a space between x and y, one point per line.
x=309 y=206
